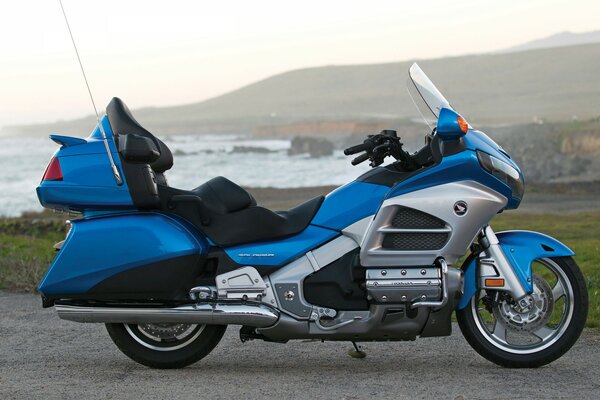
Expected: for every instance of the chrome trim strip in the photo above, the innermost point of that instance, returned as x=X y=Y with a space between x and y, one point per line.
x=386 y=229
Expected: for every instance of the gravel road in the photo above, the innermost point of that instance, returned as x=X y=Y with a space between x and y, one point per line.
x=44 y=357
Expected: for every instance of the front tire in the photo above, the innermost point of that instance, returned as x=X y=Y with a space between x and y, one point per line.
x=513 y=337
x=165 y=346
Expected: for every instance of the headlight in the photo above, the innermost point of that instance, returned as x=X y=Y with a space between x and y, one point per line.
x=503 y=171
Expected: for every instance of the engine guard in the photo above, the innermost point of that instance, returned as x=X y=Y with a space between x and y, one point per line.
x=521 y=248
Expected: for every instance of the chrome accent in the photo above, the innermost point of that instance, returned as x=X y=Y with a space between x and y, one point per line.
x=494 y=257
x=241 y=284
x=202 y=293
x=336 y=326
x=437 y=201
x=256 y=315
x=324 y=312
x=396 y=285
x=289 y=295
x=441 y=303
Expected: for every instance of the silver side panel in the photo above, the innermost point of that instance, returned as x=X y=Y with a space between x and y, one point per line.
x=482 y=202
x=288 y=281
x=357 y=230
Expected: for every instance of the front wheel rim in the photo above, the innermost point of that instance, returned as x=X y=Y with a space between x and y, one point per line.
x=498 y=332
x=164 y=337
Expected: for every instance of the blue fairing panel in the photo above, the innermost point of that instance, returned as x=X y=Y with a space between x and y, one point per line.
x=348 y=204
x=455 y=168
x=521 y=248
x=101 y=247
x=279 y=252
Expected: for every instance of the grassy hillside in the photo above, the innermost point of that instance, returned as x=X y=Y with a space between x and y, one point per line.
x=554 y=84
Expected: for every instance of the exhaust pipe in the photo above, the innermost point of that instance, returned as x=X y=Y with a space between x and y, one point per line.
x=255 y=315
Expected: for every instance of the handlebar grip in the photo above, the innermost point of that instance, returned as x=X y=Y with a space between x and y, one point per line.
x=359 y=159
x=355 y=149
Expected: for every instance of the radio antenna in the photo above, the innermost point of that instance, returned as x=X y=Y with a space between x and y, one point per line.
x=104 y=139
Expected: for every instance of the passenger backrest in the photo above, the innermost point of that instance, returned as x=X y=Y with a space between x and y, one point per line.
x=142 y=179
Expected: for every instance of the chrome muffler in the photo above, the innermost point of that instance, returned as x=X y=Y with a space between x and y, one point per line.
x=255 y=315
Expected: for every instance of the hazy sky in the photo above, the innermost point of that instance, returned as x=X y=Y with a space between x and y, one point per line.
x=173 y=52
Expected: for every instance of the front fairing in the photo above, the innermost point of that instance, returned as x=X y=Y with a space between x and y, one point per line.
x=478 y=141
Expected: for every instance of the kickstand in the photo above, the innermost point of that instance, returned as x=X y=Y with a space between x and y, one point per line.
x=357 y=352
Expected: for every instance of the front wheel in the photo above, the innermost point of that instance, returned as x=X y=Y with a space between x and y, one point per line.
x=166 y=345
x=509 y=335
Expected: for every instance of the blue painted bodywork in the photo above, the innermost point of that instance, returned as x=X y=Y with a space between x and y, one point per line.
x=113 y=237
x=460 y=167
x=279 y=252
x=521 y=248
x=447 y=125
x=349 y=203
x=88 y=182
x=100 y=247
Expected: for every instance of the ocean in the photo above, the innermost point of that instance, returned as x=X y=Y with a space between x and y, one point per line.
x=197 y=159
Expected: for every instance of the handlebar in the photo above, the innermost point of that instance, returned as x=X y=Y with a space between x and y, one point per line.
x=361 y=158
x=377 y=147
x=355 y=149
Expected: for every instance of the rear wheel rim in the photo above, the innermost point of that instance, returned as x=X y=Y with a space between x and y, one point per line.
x=164 y=337
x=505 y=333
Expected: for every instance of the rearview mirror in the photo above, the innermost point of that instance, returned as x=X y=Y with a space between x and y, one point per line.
x=136 y=148
x=451 y=125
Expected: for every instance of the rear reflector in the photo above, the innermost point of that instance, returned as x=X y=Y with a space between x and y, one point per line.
x=53 y=171
x=497 y=282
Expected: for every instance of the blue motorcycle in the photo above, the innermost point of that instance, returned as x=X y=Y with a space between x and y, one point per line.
x=167 y=269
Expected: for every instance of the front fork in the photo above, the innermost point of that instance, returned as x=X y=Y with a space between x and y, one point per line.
x=495 y=270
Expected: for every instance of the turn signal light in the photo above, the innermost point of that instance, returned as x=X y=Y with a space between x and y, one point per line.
x=462 y=124
x=53 y=171
x=496 y=282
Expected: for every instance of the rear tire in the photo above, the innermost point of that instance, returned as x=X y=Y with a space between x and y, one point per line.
x=166 y=346
x=554 y=338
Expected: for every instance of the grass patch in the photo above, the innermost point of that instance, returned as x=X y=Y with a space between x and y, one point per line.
x=26 y=246
x=26 y=249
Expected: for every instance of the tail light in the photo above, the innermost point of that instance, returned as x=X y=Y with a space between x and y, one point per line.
x=53 y=171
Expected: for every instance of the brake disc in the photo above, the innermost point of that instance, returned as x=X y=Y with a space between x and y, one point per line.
x=160 y=332
x=531 y=317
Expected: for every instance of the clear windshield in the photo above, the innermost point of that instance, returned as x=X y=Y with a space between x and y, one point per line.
x=425 y=95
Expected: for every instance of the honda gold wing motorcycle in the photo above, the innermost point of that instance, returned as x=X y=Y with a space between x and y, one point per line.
x=167 y=269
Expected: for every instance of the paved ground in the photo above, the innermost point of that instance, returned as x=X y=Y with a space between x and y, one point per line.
x=44 y=357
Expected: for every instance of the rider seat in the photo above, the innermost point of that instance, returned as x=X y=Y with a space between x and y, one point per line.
x=221 y=209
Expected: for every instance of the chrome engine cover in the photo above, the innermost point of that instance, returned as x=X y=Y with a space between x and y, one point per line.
x=404 y=285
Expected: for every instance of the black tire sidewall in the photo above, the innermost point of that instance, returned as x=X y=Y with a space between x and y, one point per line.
x=470 y=331
x=191 y=353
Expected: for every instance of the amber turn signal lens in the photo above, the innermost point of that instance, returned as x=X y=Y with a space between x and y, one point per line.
x=462 y=123
x=497 y=282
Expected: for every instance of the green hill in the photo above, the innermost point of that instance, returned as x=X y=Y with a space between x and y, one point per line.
x=553 y=84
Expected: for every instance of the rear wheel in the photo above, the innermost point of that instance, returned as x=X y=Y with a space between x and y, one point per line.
x=166 y=345
x=512 y=336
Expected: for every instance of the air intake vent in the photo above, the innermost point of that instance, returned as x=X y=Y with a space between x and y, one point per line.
x=415 y=241
x=409 y=218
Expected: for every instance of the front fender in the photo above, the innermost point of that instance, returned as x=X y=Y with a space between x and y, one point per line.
x=521 y=249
